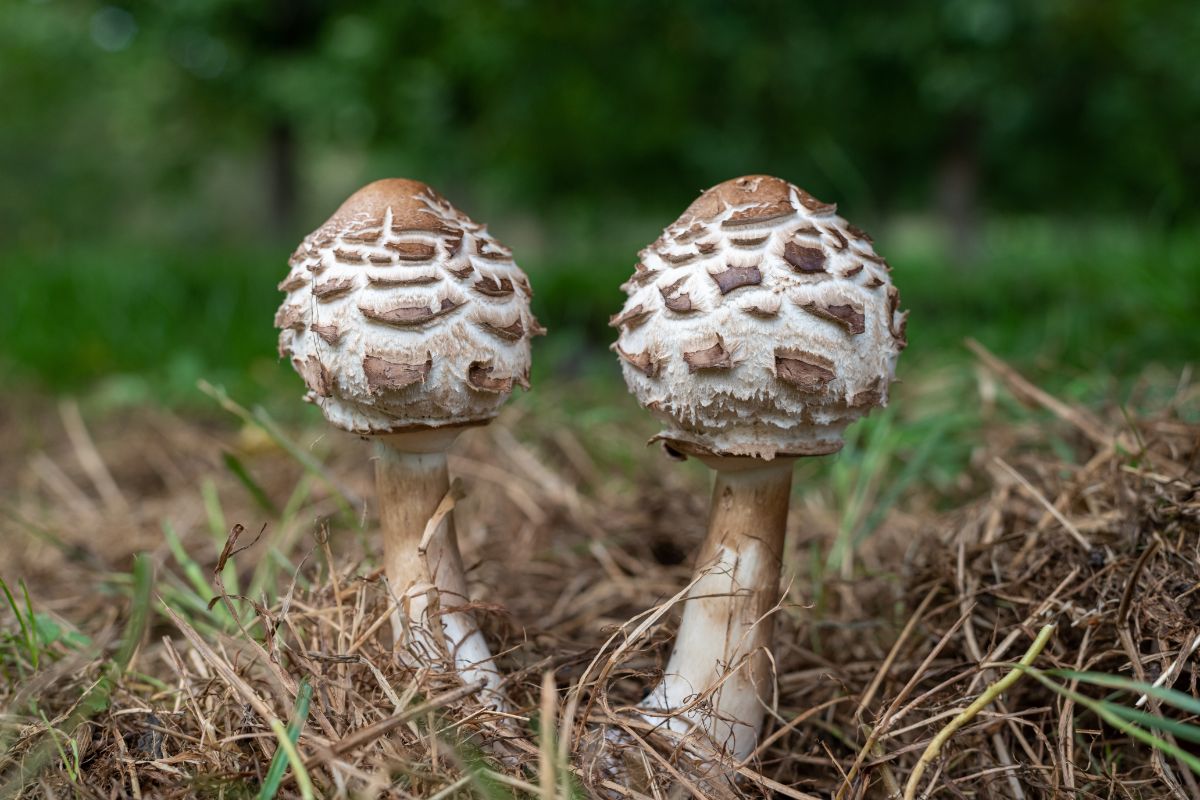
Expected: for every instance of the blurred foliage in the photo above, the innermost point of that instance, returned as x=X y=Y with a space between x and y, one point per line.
x=161 y=158
x=201 y=118
x=1087 y=302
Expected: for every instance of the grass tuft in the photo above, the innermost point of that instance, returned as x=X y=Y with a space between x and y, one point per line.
x=981 y=509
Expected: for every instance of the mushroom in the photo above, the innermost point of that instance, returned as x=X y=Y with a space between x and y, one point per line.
x=792 y=333
x=391 y=321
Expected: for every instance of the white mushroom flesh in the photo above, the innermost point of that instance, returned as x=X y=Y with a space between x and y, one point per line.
x=760 y=324
x=401 y=312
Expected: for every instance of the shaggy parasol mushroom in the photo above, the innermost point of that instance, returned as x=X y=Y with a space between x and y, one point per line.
x=408 y=323
x=758 y=326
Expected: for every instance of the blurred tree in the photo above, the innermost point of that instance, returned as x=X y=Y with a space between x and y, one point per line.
x=211 y=117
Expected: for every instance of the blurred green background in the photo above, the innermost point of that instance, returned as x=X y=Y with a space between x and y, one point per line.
x=1029 y=167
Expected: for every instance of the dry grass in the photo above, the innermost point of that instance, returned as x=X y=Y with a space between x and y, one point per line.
x=879 y=650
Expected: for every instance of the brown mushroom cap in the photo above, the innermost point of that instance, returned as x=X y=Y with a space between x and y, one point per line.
x=403 y=313
x=759 y=324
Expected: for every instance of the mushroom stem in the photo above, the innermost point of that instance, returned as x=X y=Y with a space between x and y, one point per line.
x=719 y=677
x=431 y=624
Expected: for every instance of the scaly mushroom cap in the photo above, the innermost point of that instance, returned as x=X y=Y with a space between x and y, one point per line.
x=402 y=313
x=759 y=324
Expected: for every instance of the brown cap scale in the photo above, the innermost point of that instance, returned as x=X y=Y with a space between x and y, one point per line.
x=759 y=324
x=408 y=322
x=401 y=312
x=757 y=327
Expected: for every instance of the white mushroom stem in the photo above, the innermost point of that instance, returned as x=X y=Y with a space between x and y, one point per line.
x=426 y=573
x=719 y=678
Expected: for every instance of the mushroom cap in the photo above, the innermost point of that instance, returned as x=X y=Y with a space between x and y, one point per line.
x=403 y=314
x=759 y=324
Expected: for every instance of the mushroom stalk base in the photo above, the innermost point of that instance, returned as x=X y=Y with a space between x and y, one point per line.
x=718 y=680
x=412 y=480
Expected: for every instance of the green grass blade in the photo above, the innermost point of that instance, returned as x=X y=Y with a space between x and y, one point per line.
x=261 y=419
x=214 y=512
x=1184 y=702
x=913 y=469
x=62 y=754
x=219 y=529
x=1180 y=730
x=26 y=634
x=30 y=624
x=139 y=611
x=235 y=466
x=1103 y=710
x=283 y=755
x=482 y=782
x=298 y=497
x=95 y=699
x=194 y=574
x=191 y=569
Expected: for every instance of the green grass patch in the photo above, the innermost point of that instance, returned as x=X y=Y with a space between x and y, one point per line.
x=1080 y=303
